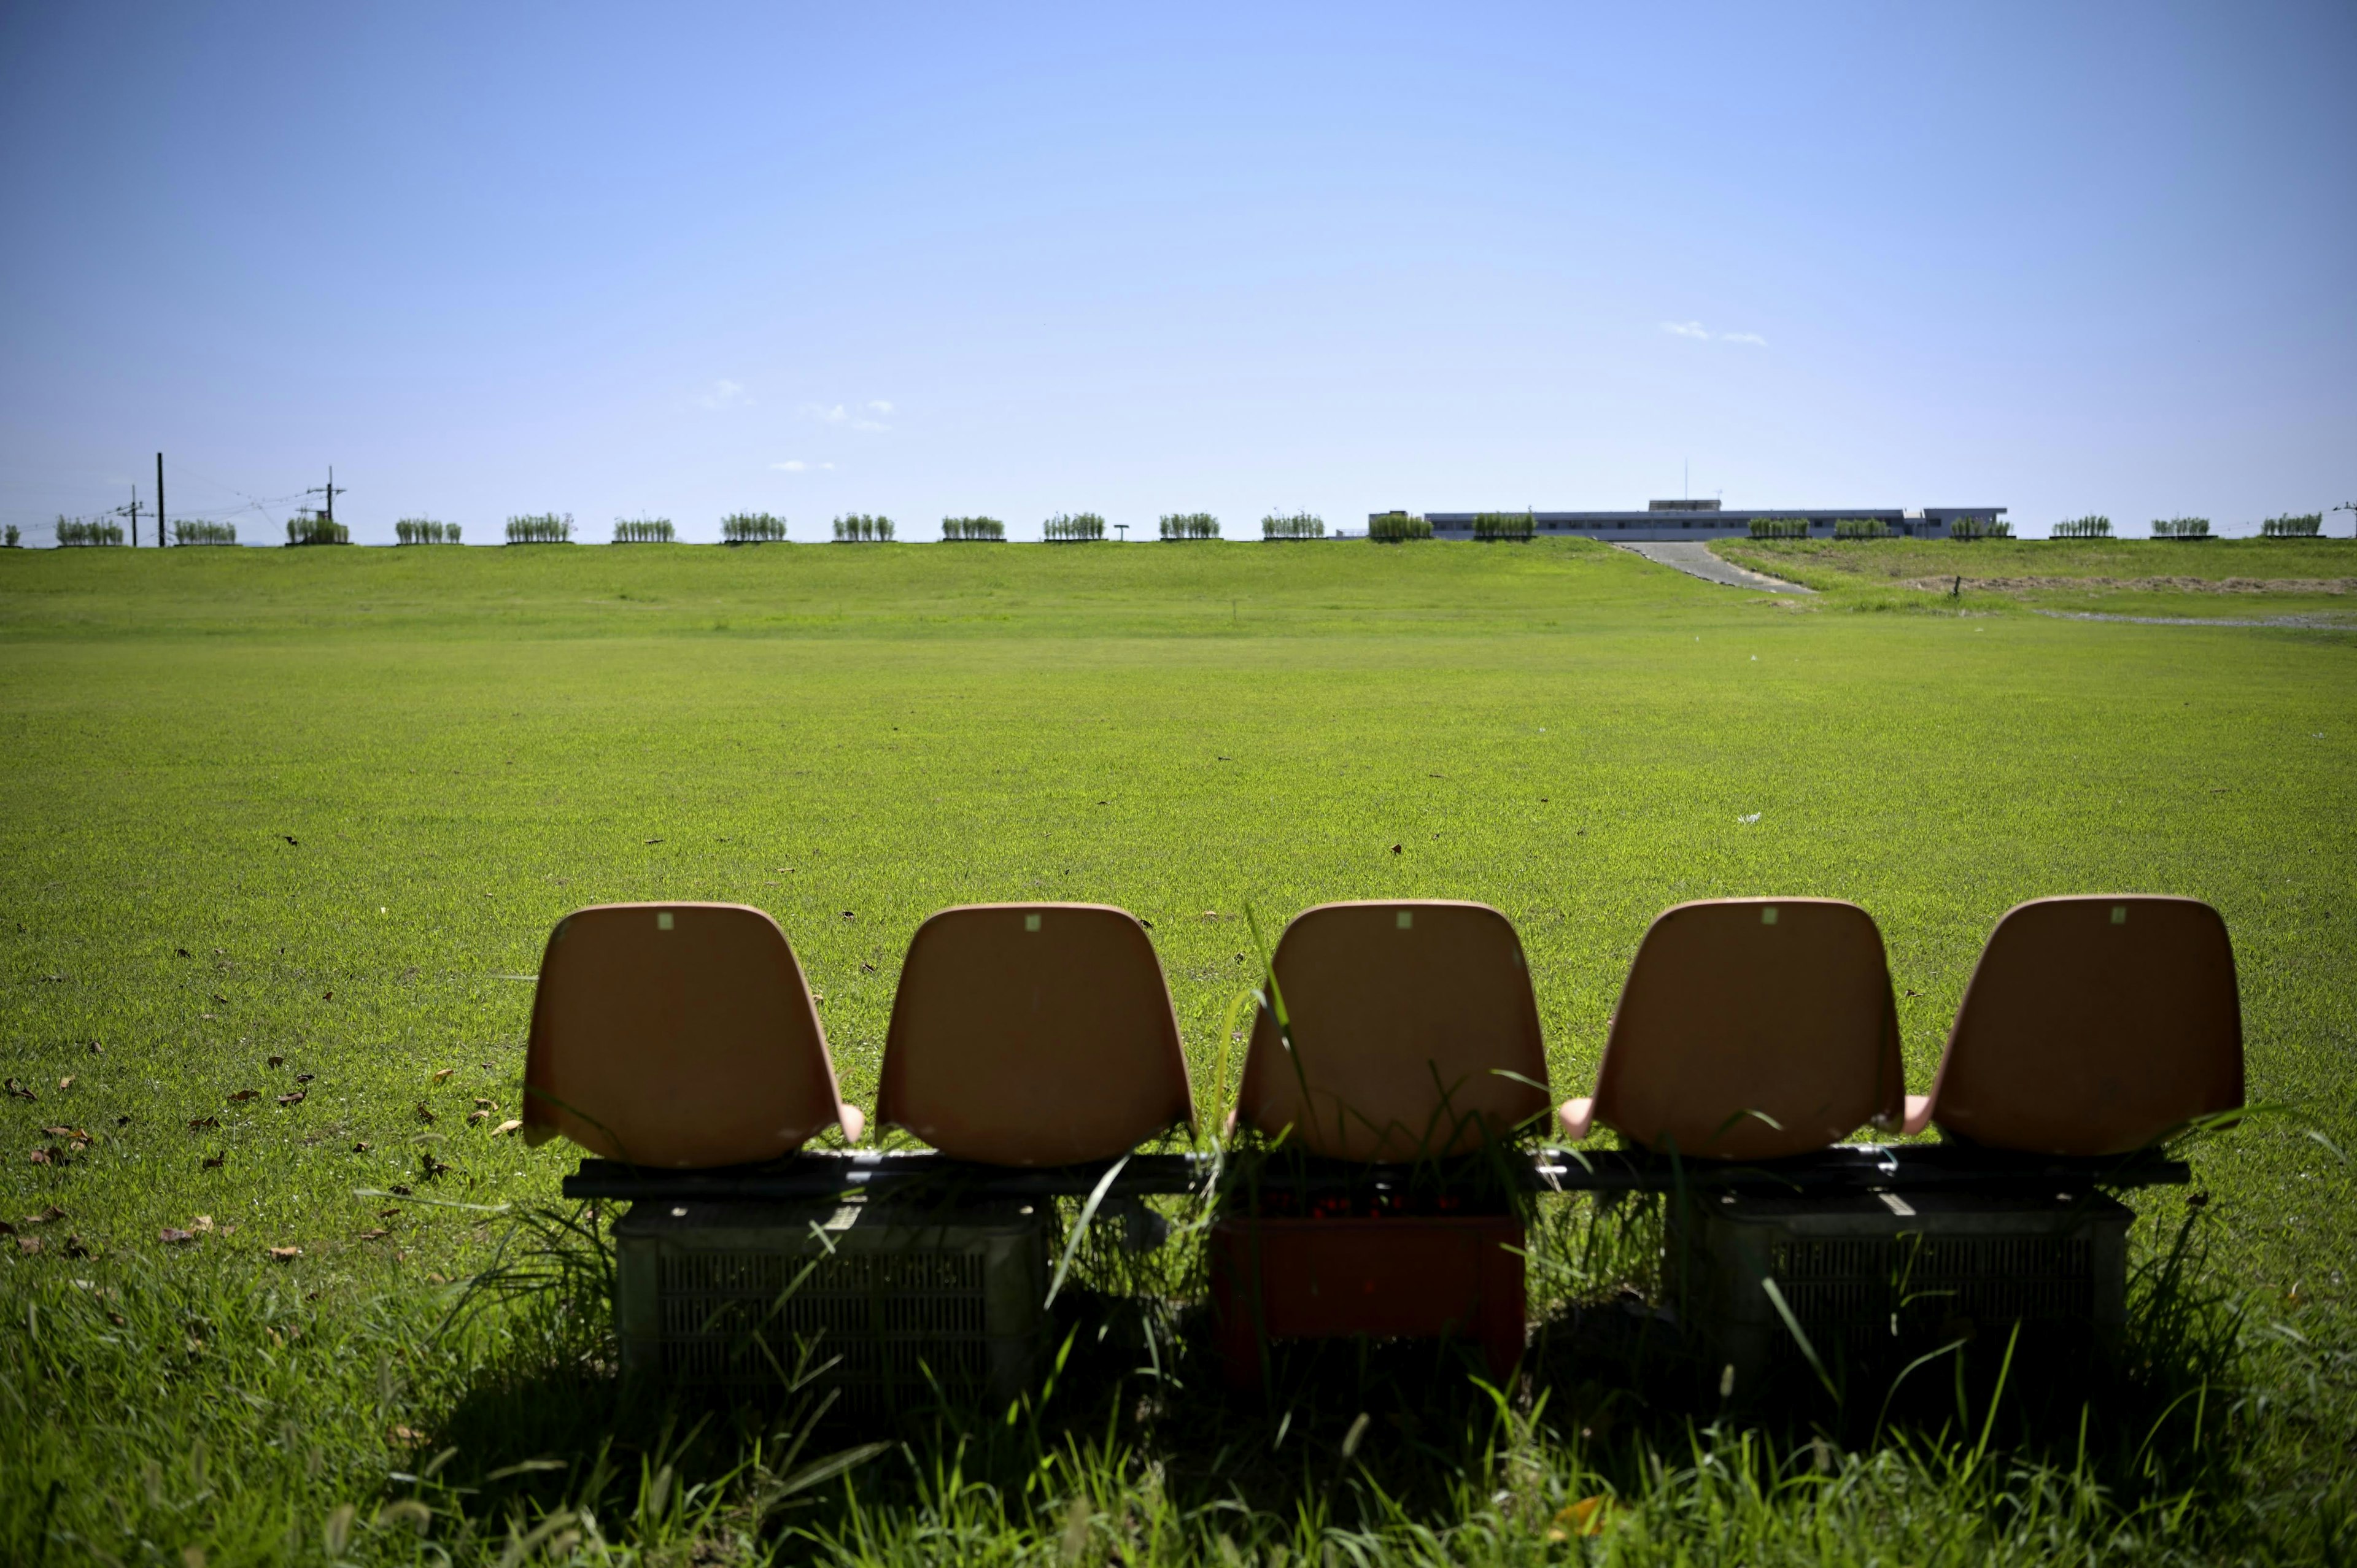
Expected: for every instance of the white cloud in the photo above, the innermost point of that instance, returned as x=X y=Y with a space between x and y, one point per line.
x=1696 y=330
x=725 y=393
x=796 y=466
x=848 y=415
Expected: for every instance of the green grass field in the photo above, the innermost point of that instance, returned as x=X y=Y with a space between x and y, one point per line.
x=324 y=806
x=2314 y=580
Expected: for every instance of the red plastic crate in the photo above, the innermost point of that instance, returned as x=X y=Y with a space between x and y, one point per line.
x=1384 y=1276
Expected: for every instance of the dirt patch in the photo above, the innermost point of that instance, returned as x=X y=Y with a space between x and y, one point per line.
x=2141 y=584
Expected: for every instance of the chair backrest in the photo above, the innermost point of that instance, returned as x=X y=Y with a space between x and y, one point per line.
x=1753 y=1028
x=679 y=1036
x=1408 y=1018
x=1033 y=1035
x=2091 y=1026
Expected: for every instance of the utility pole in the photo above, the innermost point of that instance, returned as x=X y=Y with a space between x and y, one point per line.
x=133 y=512
x=332 y=491
x=162 y=538
x=2351 y=507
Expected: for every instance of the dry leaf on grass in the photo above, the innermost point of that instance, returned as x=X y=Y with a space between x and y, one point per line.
x=18 y=1091
x=75 y=1248
x=201 y=1223
x=425 y=1113
x=304 y=1077
x=200 y=1124
x=244 y=1094
x=506 y=1127
x=47 y=1216
x=28 y=1245
x=171 y=1238
x=295 y=1099
x=278 y=1061
x=67 y=1081
x=285 y=1254
x=363 y=1147
x=213 y=1162
x=1589 y=1516
x=444 y=1073
x=475 y=1116
x=374 y=1235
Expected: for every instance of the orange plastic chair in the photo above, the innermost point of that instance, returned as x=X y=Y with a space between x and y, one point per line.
x=679 y=1036
x=1033 y=1035
x=1417 y=1032
x=1750 y=1029
x=2091 y=1026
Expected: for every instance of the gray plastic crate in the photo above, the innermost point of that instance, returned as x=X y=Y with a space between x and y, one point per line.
x=1876 y=1279
x=723 y=1296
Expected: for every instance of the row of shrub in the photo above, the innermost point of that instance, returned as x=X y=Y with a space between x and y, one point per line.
x=1517 y=526
x=859 y=528
x=2180 y=528
x=424 y=531
x=1072 y=528
x=974 y=530
x=752 y=527
x=1860 y=527
x=2090 y=527
x=88 y=531
x=541 y=528
x=1397 y=528
x=1190 y=525
x=315 y=528
x=644 y=530
x=2290 y=527
x=1780 y=527
x=1300 y=525
x=10 y=539
x=199 y=531
x=1980 y=527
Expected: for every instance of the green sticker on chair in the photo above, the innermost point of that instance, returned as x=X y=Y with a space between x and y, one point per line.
x=1406 y=919
x=662 y=919
x=1768 y=914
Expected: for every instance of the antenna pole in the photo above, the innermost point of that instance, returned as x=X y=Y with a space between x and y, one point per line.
x=161 y=536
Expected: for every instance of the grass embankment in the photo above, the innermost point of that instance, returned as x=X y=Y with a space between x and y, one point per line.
x=2311 y=579
x=324 y=806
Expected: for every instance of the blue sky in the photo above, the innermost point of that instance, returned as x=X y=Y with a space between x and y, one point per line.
x=679 y=261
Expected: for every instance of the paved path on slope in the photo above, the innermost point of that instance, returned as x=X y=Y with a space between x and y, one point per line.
x=1696 y=559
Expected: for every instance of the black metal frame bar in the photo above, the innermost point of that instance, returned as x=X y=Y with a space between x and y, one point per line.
x=1845 y=1168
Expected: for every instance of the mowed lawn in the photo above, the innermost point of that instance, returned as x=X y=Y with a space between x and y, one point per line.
x=325 y=805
